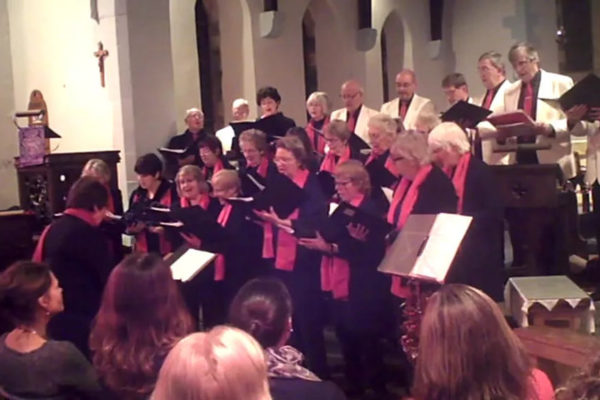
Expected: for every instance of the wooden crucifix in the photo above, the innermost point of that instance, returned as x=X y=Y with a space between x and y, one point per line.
x=101 y=54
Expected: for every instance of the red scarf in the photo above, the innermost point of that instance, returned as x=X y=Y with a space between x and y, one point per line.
x=407 y=193
x=285 y=256
x=329 y=162
x=460 y=177
x=335 y=271
x=263 y=167
x=220 y=261
x=319 y=143
x=84 y=215
x=141 y=244
x=216 y=168
x=204 y=202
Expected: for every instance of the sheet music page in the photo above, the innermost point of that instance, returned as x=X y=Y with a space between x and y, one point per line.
x=190 y=263
x=445 y=236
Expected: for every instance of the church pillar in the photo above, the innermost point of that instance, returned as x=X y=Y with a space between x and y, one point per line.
x=143 y=95
x=8 y=132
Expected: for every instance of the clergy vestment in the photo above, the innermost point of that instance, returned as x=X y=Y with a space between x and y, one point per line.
x=485 y=128
x=417 y=106
x=361 y=126
x=547 y=110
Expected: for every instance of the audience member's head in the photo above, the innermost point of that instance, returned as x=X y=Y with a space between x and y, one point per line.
x=224 y=363
x=240 y=109
x=30 y=294
x=406 y=84
x=584 y=384
x=190 y=182
x=268 y=99
x=142 y=315
x=455 y=88
x=87 y=193
x=352 y=95
x=318 y=105
x=263 y=308
x=447 y=143
x=467 y=350
x=211 y=150
x=382 y=132
x=98 y=169
x=194 y=119
x=491 y=69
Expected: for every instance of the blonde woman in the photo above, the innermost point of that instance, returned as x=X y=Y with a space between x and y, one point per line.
x=223 y=363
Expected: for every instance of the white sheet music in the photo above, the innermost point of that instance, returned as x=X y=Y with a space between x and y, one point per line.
x=190 y=263
x=445 y=236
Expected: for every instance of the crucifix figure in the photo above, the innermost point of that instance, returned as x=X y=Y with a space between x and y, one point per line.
x=101 y=54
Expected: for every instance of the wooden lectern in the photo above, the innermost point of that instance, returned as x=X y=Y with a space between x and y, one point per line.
x=43 y=188
x=534 y=192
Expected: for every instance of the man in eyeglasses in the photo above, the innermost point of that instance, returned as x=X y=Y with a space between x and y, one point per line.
x=355 y=113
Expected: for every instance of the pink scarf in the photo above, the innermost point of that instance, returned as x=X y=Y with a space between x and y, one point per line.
x=329 y=162
x=263 y=167
x=220 y=261
x=335 y=271
x=85 y=215
x=460 y=177
x=141 y=244
x=407 y=193
x=204 y=202
x=286 y=242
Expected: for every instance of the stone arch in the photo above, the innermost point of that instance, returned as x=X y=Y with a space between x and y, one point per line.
x=393 y=49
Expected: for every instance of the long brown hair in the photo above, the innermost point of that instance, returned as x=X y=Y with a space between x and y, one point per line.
x=142 y=316
x=467 y=350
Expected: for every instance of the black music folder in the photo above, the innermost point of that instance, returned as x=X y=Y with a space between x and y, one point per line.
x=345 y=214
x=586 y=92
x=327 y=183
x=194 y=220
x=426 y=246
x=466 y=114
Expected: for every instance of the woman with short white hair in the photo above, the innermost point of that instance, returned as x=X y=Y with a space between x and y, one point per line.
x=318 y=106
x=478 y=197
x=223 y=363
x=382 y=130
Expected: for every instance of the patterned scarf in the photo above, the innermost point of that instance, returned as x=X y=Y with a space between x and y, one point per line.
x=285 y=361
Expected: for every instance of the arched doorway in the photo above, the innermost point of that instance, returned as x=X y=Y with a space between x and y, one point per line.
x=309 y=47
x=209 y=61
x=392 y=53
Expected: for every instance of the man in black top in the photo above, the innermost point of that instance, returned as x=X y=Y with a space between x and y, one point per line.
x=188 y=140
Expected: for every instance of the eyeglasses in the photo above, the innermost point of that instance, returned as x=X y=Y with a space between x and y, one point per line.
x=349 y=96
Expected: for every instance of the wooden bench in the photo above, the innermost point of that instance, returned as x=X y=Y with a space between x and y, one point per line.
x=559 y=352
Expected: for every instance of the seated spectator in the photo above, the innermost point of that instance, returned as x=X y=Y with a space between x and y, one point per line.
x=223 y=363
x=584 y=384
x=263 y=308
x=467 y=351
x=32 y=365
x=142 y=316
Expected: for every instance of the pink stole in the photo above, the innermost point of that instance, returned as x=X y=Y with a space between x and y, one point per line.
x=216 y=168
x=459 y=178
x=220 y=261
x=85 y=215
x=407 y=193
x=329 y=162
x=335 y=271
x=204 y=202
x=285 y=256
x=263 y=167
